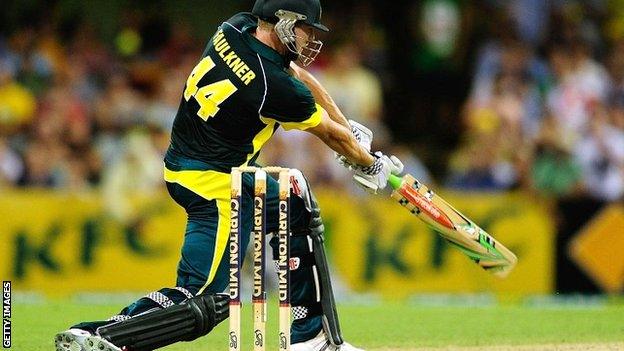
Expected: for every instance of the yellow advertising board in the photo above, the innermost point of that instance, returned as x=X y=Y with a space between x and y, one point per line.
x=378 y=246
x=598 y=247
x=61 y=244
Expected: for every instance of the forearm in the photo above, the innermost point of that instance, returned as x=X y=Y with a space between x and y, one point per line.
x=342 y=141
x=321 y=96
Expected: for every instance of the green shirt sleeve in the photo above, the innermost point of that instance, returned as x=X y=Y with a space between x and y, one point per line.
x=290 y=103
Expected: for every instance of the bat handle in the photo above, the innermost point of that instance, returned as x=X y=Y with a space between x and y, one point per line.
x=395 y=181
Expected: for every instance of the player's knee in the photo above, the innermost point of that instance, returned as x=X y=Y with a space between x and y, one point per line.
x=208 y=310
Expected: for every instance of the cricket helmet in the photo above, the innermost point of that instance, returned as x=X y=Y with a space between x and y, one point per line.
x=285 y=14
x=309 y=10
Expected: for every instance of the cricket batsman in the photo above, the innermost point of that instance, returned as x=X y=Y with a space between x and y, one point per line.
x=248 y=82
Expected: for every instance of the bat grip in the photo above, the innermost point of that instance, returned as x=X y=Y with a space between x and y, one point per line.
x=395 y=181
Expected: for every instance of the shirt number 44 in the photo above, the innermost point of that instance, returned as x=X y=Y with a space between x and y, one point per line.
x=208 y=97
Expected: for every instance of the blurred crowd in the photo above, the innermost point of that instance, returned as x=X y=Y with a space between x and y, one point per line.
x=546 y=108
x=545 y=111
x=79 y=114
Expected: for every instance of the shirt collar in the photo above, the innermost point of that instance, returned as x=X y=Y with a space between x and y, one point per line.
x=261 y=48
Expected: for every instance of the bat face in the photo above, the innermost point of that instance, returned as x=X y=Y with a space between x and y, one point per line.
x=452 y=225
x=415 y=201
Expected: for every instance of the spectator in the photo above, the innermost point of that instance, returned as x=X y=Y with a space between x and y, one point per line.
x=579 y=82
x=17 y=104
x=554 y=171
x=600 y=154
x=35 y=66
x=507 y=68
x=363 y=100
x=41 y=166
x=480 y=165
x=11 y=165
x=136 y=171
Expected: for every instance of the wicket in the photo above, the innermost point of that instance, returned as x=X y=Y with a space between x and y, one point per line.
x=259 y=232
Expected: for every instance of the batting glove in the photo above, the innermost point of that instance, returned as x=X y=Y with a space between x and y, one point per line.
x=375 y=176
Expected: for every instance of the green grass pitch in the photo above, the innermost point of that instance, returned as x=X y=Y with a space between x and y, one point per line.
x=379 y=326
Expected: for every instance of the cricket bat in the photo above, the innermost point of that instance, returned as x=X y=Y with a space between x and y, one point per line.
x=452 y=225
